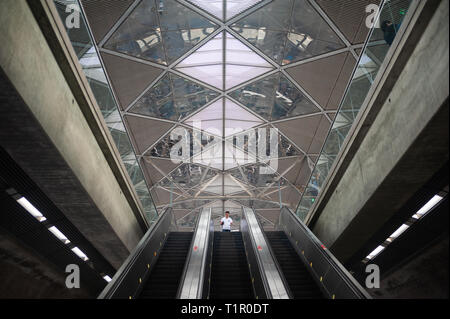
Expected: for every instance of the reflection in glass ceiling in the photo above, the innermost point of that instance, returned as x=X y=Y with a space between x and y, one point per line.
x=221 y=70
x=224 y=10
x=224 y=118
x=275 y=98
x=288 y=31
x=173 y=98
x=224 y=62
x=160 y=33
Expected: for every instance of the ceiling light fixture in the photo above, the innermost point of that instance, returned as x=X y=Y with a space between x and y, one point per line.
x=31 y=209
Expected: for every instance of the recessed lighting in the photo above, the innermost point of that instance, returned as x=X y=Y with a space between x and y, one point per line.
x=31 y=209
x=427 y=207
x=107 y=278
x=398 y=232
x=55 y=231
x=376 y=252
x=80 y=254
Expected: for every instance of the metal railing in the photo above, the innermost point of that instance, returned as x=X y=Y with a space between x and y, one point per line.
x=128 y=281
x=193 y=278
x=332 y=277
x=268 y=281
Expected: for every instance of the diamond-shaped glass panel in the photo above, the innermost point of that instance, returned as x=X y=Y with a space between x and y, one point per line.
x=160 y=31
x=274 y=98
x=173 y=98
x=288 y=31
x=224 y=70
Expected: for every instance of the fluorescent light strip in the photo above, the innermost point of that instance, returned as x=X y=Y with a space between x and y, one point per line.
x=427 y=207
x=80 y=254
x=31 y=209
x=420 y=213
x=376 y=252
x=398 y=232
x=107 y=278
x=55 y=231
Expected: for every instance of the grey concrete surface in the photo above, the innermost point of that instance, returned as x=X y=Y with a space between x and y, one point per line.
x=30 y=65
x=406 y=144
x=424 y=277
x=24 y=275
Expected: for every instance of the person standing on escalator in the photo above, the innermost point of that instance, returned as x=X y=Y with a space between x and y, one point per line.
x=226 y=222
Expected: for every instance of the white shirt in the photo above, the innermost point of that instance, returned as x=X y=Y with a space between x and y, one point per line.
x=226 y=223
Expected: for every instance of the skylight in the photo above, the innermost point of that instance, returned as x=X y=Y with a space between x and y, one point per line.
x=216 y=7
x=224 y=112
x=224 y=63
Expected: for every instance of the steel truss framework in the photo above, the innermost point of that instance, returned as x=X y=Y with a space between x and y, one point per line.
x=235 y=184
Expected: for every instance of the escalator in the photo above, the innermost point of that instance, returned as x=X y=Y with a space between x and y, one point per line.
x=230 y=276
x=250 y=264
x=165 y=277
x=300 y=282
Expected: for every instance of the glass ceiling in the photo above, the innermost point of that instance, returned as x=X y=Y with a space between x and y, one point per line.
x=222 y=9
x=223 y=72
x=224 y=62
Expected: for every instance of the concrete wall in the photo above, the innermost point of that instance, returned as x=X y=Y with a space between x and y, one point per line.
x=424 y=277
x=25 y=275
x=28 y=62
x=406 y=144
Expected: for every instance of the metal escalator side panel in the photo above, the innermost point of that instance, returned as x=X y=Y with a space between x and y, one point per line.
x=192 y=281
x=127 y=282
x=273 y=280
x=327 y=271
x=164 y=279
x=300 y=281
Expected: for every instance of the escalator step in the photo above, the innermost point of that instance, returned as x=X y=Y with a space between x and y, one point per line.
x=230 y=276
x=166 y=274
x=300 y=282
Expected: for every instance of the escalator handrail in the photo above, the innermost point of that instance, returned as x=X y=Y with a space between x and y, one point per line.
x=277 y=265
x=344 y=275
x=188 y=258
x=110 y=289
x=260 y=262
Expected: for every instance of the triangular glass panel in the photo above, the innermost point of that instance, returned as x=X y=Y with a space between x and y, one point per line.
x=173 y=98
x=236 y=157
x=211 y=156
x=199 y=142
x=210 y=65
x=233 y=7
x=274 y=98
x=140 y=34
x=310 y=35
x=252 y=176
x=181 y=28
x=155 y=28
x=237 y=119
x=273 y=16
x=248 y=142
x=188 y=176
x=242 y=64
x=288 y=31
x=211 y=119
x=213 y=7
x=215 y=186
x=231 y=186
